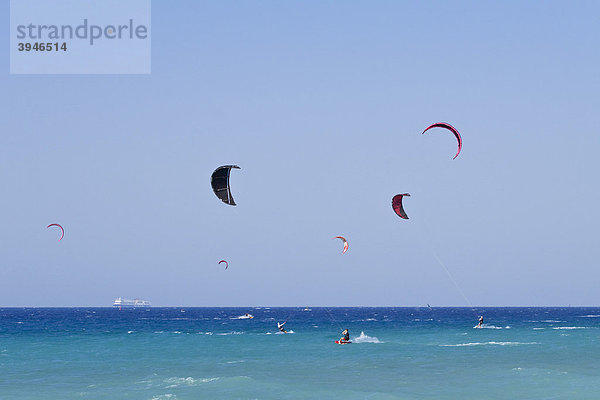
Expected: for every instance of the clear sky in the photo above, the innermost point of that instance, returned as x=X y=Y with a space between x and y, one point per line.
x=322 y=105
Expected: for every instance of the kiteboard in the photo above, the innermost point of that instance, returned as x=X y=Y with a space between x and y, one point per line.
x=342 y=342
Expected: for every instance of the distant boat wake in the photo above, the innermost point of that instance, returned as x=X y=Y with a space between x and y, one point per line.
x=365 y=339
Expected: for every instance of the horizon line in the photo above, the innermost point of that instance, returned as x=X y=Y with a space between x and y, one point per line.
x=320 y=306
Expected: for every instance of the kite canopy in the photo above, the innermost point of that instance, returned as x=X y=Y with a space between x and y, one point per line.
x=226 y=263
x=343 y=239
x=397 y=205
x=219 y=181
x=451 y=129
x=61 y=230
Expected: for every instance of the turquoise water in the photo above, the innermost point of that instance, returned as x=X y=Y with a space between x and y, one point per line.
x=211 y=353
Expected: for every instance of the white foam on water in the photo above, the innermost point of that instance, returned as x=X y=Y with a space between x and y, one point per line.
x=570 y=327
x=487 y=343
x=365 y=339
x=486 y=326
x=230 y=333
x=538 y=329
x=164 y=396
x=589 y=316
x=130 y=331
x=189 y=381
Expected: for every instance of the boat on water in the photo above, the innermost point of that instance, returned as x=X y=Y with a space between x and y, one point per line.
x=245 y=316
x=126 y=303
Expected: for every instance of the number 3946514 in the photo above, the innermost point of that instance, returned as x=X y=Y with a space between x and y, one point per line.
x=42 y=46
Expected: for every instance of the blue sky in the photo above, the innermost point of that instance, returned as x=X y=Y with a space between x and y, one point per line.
x=321 y=104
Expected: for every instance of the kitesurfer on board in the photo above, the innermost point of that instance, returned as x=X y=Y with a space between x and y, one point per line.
x=480 y=324
x=281 y=328
x=346 y=337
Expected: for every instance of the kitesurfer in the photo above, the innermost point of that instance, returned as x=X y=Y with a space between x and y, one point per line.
x=480 y=324
x=346 y=337
x=281 y=328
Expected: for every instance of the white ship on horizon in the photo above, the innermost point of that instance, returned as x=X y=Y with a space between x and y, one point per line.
x=126 y=303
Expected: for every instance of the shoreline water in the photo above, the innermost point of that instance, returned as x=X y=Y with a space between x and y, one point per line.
x=206 y=353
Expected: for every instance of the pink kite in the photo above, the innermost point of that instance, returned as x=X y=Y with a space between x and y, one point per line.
x=343 y=239
x=397 y=205
x=451 y=129
x=61 y=229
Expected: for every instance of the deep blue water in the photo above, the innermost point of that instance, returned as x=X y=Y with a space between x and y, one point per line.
x=210 y=353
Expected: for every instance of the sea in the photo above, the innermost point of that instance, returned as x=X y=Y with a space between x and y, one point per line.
x=220 y=353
